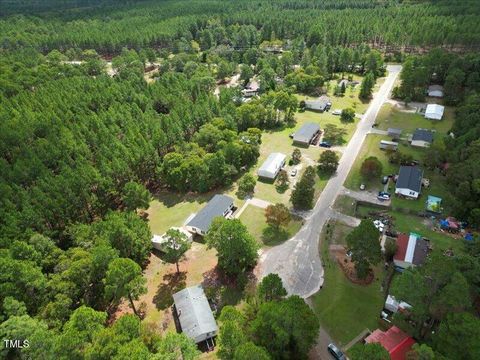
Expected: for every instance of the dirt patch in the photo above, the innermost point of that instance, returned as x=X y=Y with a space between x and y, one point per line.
x=348 y=267
x=163 y=281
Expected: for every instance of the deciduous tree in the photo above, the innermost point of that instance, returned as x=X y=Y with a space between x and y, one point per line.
x=277 y=215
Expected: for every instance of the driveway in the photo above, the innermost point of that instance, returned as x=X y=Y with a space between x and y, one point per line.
x=366 y=196
x=297 y=260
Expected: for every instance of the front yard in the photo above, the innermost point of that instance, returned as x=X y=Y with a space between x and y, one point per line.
x=344 y=308
x=254 y=218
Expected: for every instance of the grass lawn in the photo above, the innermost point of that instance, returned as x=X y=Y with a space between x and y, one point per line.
x=344 y=308
x=390 y=116
x=369 y=148
x=254 y=218
x=345 y=204
x=171 y=209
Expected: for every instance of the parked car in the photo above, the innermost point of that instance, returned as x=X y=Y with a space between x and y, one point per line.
x=336 y=352
x=382 y=195
x=337 y=112
x=325 y=144
x=291 y=135
x=362 y=186
x=293 y=173
x=385 y=180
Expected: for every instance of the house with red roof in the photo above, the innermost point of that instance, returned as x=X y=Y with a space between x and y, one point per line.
x=412 y=250
x=394 y=340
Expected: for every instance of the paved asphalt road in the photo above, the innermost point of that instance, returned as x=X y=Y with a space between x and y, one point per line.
x=297 y=260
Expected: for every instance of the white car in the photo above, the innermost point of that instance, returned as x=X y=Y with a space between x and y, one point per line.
x=337 y=112
x=293 y=173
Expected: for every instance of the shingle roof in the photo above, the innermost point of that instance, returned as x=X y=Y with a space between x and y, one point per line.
x=318 y=104
x=215 y=207
x=306 y=132
x=410 y=177
x=194 y=312
x=423 y=135
x=394 y=131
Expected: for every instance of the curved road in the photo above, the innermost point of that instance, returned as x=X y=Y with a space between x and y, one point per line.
x=297 y=260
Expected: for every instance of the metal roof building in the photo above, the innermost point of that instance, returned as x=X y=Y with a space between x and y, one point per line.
x=194 y=314
x=272 y=166
x=306 y=134
x=435 y=91
x=219 y=205
x=434 y=111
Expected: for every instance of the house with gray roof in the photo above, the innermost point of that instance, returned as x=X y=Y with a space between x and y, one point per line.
x=394 y=133
x=323 y=103
x=409 y=182
x=306 y=134
x=219 y=205
x=422 y=138
x=194 y=314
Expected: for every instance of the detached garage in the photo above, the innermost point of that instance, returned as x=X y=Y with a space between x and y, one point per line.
x=272 y=166
x=434 y=111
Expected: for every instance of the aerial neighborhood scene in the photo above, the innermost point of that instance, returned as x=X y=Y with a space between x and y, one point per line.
x=240 y=179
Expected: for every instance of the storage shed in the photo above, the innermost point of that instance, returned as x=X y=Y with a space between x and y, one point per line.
x=388 y=145
x=194 y=314
x=272 y=166
x=435 y=91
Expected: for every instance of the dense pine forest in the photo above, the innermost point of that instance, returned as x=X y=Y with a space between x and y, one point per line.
x=85 y=139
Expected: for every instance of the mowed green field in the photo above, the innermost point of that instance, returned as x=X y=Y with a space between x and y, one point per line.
x=343 y=308
x=254 y=218
x=391 y=117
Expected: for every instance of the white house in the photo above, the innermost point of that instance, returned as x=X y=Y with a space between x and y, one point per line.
x=435 y=91
x=388 y=145
x=434 y=111
x=159 y=242
x=272 y=166
x=409 y=182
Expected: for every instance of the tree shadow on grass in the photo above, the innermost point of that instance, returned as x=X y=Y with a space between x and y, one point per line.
x=272 y=236
x=173 y=283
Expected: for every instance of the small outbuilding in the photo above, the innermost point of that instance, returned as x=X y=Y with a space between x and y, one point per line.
x=434 y=111
x=394 y=306
x=394 y=133
x=272 y=166
x=323 y=103
x=194 y=314
x=251 y=89
x=409 y=182
x=435 y=91
x=388 y=145
x=412 y=250
x=159 y=242
x=422 y=138
x=219 y=205
x=306 y=134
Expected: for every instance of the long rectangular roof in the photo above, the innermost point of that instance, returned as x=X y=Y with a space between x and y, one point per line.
x=306 y=132
x=271 y=166
x=194 y=312
x=410 y=177
x=215 y=207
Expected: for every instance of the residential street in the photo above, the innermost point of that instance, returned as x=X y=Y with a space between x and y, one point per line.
x=297 y=260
